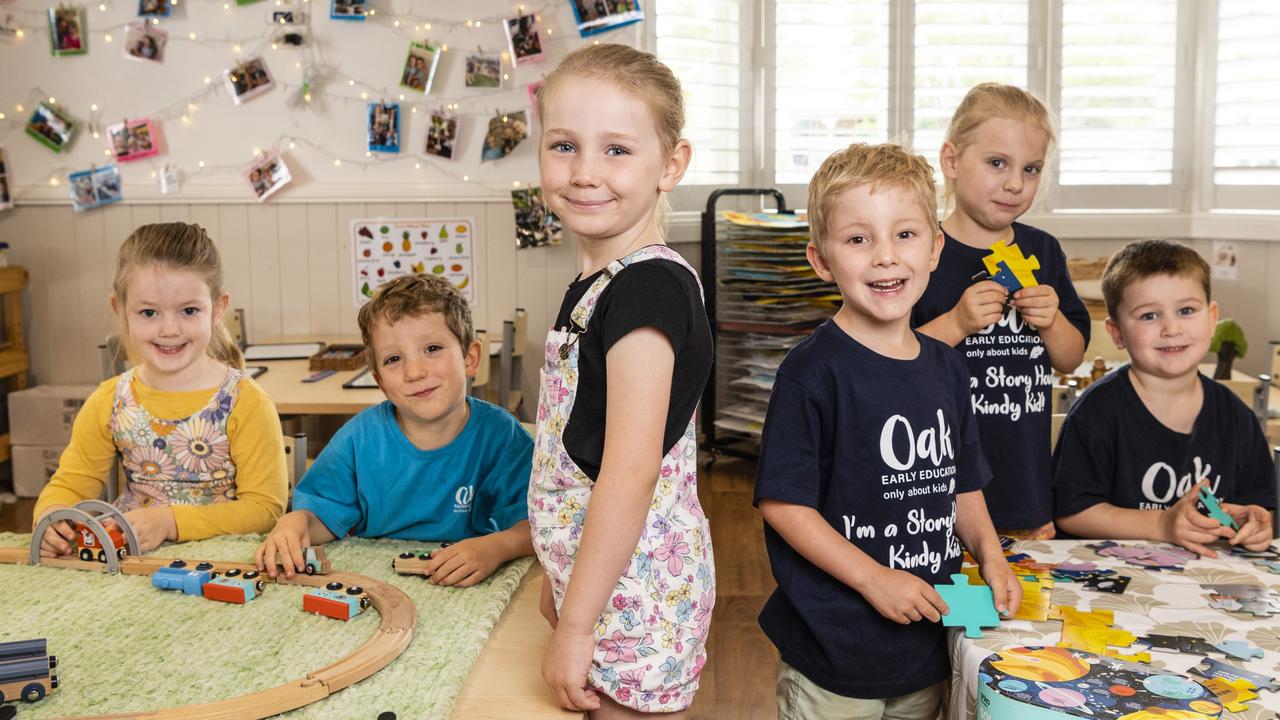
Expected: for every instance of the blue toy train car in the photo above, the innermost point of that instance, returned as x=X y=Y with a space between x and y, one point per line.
x=231 y=586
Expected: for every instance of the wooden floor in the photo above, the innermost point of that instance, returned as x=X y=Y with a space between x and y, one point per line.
x=738 y=681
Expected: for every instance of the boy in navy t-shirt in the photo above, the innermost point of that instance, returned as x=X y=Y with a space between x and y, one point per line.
x=1138 y=444
x=429 y=463
x=871 y=474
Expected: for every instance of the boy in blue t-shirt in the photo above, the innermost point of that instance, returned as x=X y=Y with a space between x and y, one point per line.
x=430 y=463
x=1138 y=444
x=871 y=473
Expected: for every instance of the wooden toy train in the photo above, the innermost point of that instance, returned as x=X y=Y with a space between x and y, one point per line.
x=24 y=670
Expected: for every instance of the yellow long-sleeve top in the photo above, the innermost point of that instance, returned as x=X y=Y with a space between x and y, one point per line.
x=256 y=448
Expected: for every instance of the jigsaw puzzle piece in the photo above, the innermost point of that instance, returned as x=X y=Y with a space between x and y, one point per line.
x=971 y=606
x=1006 y=278
x=1037 y=592
x=1238 y=649
x=1213 y=668
x=1232 y=694
x=1014 y=262
x=1215 y=509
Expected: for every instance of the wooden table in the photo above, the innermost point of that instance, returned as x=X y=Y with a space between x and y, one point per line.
x=506 y=681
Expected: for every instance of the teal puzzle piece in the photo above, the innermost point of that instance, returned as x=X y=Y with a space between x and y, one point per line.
x=1239 y=649
x=1215 y=510
x=972 y=606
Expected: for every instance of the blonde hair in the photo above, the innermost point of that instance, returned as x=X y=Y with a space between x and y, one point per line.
x=414 y=296
x=637 y=73
x=879 y=166
x=182 y=246
x=994 y=100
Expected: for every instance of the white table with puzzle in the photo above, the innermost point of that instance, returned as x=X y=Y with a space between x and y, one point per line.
x=1166 y=614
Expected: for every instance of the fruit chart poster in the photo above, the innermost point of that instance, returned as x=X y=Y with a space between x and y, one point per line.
x=384 y=249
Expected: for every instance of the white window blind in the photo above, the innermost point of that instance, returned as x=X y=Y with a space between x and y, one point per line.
x=959 y=44
x=1119 y=72
x=700 y=40
x=831 y=81
x=1247 y=122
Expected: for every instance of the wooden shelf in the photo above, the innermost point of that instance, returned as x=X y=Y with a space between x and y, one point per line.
x=14 y=361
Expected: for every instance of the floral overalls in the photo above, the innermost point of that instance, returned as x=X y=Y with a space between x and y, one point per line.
x=651 y=638
x=174 y=462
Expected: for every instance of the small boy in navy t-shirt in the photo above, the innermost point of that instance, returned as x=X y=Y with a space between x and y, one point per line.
x=430 y=462
x=1138 y=444
x=871 y=473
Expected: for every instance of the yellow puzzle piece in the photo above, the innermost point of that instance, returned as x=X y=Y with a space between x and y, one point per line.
x=1018 y=264
x=1232 y=693
x=1036 y=594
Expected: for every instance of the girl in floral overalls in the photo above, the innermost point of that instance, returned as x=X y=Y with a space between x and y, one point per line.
x=613 y=499
x=199 y=441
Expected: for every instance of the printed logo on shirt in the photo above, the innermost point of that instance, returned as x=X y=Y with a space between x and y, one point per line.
x=1162 y=487
x=924 y=459
x=462 y=498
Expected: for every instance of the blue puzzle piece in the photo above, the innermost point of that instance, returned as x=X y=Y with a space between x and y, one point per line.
x=1212 y=668
x=1215 y=510
x=1006 y=278
x=1270 y=565
x=971 y=606
x=1239 y=649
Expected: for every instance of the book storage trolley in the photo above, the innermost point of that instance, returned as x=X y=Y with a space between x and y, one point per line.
x=762 y=298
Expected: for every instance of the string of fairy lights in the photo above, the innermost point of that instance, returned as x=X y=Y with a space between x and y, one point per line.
x=321 y=83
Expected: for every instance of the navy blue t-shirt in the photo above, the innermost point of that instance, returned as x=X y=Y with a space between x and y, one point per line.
x=1011 y=378
x=879 y=447
x=1113 y=450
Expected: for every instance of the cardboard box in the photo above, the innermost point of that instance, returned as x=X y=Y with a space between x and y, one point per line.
x=33 y=465
x=43 y=415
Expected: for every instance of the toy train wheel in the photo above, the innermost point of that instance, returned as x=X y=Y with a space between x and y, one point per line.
x=33 y=692
x=251 y=574
x=334 y=586
x=310 y=569
x=53 y=661
x=406 y=555
x=355 y=590
x=121 y=553
x=102 y=556
x=232 y=572
x=364 y=602
x=205 y=566
x=86 y=554
x=260 y=586
x=179 y=563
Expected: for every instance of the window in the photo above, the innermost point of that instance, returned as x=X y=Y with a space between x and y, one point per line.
x=700 y=41
x=831 y=74
x=958 y=45
x=1119 y=81
x=1246 y=141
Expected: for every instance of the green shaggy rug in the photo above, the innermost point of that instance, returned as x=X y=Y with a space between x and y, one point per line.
x=124 y=646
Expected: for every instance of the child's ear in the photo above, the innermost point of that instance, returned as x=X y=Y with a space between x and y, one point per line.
x=1113 y=329
x=938 y=242
x=471 y=358
x=819 y=264
x=676 y=165
x=220 y=304
x=947 y=158
x=1213 y=311
x=115 y=304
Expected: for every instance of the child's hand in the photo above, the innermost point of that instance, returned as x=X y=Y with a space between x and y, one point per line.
x=287 y=540
x=1005 y=588
x=1038 y=305
x=1255 y=525
x=565 y=667
x=58 y=538
x=1183 y=525
x=463 y=563
x=903 y=597
x=152 y=526
x=981 y=305
x=547 y=603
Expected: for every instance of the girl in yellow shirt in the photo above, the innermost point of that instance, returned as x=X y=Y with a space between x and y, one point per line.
x=199 y=441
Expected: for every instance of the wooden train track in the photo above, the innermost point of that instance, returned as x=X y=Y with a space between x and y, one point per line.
x=398 y=615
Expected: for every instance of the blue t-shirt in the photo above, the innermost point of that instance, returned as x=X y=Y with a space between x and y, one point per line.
x=370 y=481
x=1113 y=450
x=879 y=447
x=1012 y=378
